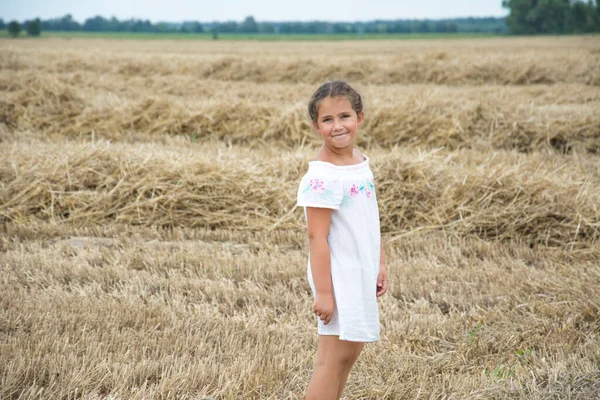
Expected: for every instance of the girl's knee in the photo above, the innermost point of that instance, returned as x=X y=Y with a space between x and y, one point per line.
x=343 y=357
x=334 y=363
x=355 y=354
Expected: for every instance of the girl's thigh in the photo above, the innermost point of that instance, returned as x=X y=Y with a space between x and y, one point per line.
x=332 y=350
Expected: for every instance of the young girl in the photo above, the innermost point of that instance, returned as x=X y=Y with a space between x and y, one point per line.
x=346 y=267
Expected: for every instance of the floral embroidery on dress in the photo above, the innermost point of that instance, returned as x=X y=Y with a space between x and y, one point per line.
x=318 y=191
x=367 y=188
x=316 y=188
x=317 y=185
x=370 y=186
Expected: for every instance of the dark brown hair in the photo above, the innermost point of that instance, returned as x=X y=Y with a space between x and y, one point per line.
x=333 y=89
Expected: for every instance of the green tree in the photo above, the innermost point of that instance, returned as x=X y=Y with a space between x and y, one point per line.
x=2 y=24
x=424 y=27
x=34 y=27
x=95 y=24
x=551 y=16
x=14 y=28
x=249 y=25
x=592 y=11
x=113 y=24
x=520 y=20
x=228 y=27
x=68 y=24
x=266 y=27
x=197 y=27
x=596 y=17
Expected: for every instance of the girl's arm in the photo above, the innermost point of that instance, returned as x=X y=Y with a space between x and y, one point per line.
x=318 y=221
x=382 y=278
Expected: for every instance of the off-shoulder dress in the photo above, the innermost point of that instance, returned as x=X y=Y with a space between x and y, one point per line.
x=354 y=244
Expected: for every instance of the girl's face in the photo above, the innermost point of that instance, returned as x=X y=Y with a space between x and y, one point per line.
x=337 y=122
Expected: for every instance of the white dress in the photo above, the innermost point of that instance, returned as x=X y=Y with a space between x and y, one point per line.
x=354 y=239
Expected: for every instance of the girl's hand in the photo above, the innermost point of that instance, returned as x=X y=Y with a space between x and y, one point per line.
x=323 y=306
x=382 y=281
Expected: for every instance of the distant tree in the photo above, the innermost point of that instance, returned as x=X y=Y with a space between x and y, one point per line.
x=34 y=27
x=197 y=27
x=96 y=24
x=144 y=26
x=521 y=20
x=227 y=27
x=585 y=17
x=399 y=27
x=14 y=28
x=113 y=25
x=424 y=27
x=551 y=16
x=595 y=15
x=440 y=27
x=577 y=20
x=266 y=27
x=298 y=27
x=67 y=23
x=554 y=15
x=249 y=25
x=320 y=27
x=2 y=24
x=382 y=27
x=126 y=25
x=341 y=28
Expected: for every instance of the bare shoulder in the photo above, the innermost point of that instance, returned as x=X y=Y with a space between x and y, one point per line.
x=320 y=157
x=359 y=156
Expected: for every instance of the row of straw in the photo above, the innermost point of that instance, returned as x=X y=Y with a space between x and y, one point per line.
x=430 y=118
x=306 y=65
x=540 y=199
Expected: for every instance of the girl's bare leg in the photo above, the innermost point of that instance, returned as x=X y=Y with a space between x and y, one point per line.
x=335 y=358
x=344 y=377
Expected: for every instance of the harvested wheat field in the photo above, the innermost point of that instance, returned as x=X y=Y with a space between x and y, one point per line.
x=150 y=248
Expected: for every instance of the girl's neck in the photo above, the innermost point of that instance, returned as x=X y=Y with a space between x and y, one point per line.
x=346 y=156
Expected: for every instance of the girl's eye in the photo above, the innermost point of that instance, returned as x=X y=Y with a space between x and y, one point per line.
x=345 y=116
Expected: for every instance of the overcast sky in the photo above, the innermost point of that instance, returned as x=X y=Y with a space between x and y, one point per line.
x=262 y=10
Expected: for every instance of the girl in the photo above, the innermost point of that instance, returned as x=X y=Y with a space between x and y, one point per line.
x=346 y=267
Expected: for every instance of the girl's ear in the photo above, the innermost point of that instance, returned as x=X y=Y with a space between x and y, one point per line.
x=315 y=125
x=361 y=117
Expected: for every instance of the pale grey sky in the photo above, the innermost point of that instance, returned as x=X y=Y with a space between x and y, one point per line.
x=262 y=10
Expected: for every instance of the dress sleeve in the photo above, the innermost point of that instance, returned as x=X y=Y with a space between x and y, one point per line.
x=320 y=191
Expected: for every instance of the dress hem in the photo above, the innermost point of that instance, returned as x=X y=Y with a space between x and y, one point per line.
x=350 y=339
x=318 y=205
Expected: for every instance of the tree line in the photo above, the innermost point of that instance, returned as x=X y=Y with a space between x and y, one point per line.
x=526 y=17
x=250 y=26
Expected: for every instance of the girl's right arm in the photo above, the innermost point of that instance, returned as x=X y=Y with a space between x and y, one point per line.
x=318 y=221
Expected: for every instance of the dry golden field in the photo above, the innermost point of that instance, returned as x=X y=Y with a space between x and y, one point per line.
x=149 y=245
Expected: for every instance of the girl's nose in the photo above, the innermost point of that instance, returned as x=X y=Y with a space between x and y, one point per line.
x=337 y=124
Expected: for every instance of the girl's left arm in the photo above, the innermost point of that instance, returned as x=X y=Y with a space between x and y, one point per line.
x=382 y=277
